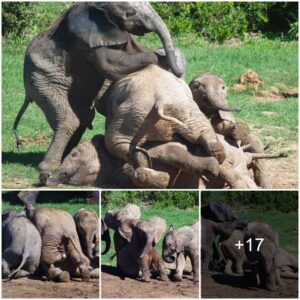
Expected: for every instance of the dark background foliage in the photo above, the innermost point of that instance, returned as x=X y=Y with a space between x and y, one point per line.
x=266 y=201
x=216 y=21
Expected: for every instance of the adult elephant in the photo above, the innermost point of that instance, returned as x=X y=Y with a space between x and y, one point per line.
x=66 y=65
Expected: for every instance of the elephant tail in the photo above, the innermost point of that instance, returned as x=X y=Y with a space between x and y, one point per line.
x=160 y=111
x=268 y=156
x=17 y=120
x=25 y=255
x=79 y=251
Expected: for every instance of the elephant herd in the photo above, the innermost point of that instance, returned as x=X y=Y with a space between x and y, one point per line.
x=160 y=132
x=135 y=243
x=50 y=242
x=261 y=256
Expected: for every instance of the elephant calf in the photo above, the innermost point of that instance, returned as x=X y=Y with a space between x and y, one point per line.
x=185 y=242
x=21 y=245
x=87 y=224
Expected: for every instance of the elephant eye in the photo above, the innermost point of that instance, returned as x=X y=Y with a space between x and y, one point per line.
x=74 y=154
x=130 y=13
x=223 y=87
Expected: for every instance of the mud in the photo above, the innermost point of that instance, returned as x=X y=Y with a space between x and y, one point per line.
x=36 y=288
x=113 y=286
x=220 y=285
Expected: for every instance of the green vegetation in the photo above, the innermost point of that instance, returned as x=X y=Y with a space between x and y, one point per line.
x=275 y=121
x=278 y=209
x=68 y=201
x=156 y=199
x=177 y=217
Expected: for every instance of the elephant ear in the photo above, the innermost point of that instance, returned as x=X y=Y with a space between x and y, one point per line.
x=92 y=27
x=183 y=238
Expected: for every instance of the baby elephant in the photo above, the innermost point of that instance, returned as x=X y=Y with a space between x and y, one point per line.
x=21 y=245
x=87 y=225
x=185 y=242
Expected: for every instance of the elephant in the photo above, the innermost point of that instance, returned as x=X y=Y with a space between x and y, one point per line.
x=138 y=252
x=167 y=113
x=209 y=92
x=105 y=236
x=174 y=165
x=183 y=241
x=87 y=225
x=218 y=212
x=61 y=255
x=236 y=260
x=21 y=245
x=66 y=65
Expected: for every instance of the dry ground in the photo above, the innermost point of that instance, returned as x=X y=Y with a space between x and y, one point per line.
x=220 y=285
x=36 y=288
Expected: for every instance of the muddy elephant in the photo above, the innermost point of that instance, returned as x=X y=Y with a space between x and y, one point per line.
x=167 y=113
x=87 y=225
x=209 y=91
x=91 y=164
x=105 y=236
x=236 y=260
x=137 y=253
x=183 y=241
x=62 y=255
x=65 y=65
x=21 y=245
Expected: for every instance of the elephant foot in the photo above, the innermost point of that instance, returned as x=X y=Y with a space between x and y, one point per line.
x=48 y=165
x=212 y=166
x=85 y=273
x=216 y=149
x=146 y=278
x=164 y=277
x=149 y=178
x=177 y=277
x=63 y=277
x=57 y=275
x=196 y=278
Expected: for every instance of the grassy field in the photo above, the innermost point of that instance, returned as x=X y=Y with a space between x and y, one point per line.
x=67 y=201
x=275 y=121
x=174 y=216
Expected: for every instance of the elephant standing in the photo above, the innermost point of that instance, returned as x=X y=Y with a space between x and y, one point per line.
x=61 y=250
x=87 y=224
x=66 y=65
x=21 y=245
x=209 y=92
x=184 y=242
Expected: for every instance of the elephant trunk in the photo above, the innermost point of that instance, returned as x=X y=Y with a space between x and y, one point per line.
x=89 y=247
x=161 y=29
x=223 y=106
x=168 y=259
x=106 y=237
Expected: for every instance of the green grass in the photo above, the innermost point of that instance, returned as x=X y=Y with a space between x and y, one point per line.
x=273 y=60
x=61 y=200
x=173 y=216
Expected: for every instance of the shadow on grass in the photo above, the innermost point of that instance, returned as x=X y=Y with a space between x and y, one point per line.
x=112 y=271
x=26 y=159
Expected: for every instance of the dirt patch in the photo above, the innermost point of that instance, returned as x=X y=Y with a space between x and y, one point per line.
x=269 y=113
x=112 y=286
x=32 y=288
x=220 y=285
x=38 y=139
x=250 y=79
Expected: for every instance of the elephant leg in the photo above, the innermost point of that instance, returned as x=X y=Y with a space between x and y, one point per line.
x=269 y=274
x=195 y=265
x=22 y=273
x=230 y=177
x=206 y=255
x=58 y=275
x=144 y=266
x=78 y=260
x=95 y=273
x=239 y=266
x=5 y=269
x=180 y=263
x=260 y=174
x=176 y=155
x=228 y=267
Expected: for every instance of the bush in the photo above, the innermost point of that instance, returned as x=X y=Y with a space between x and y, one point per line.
x=284 y=202
x=157 y=199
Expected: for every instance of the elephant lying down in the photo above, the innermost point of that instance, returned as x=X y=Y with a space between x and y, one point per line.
x=90 y=164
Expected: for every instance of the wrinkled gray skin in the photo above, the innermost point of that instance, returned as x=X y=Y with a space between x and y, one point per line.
x=90 y=164
x=209 y=92
x=105 y=236
x=264 y=261
x=62 y=255
x=286 y=263
x=213 y=218
x=21 y=245
x=140 y=237
x=87 y=225
x=184 y=242
x=65 y=65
